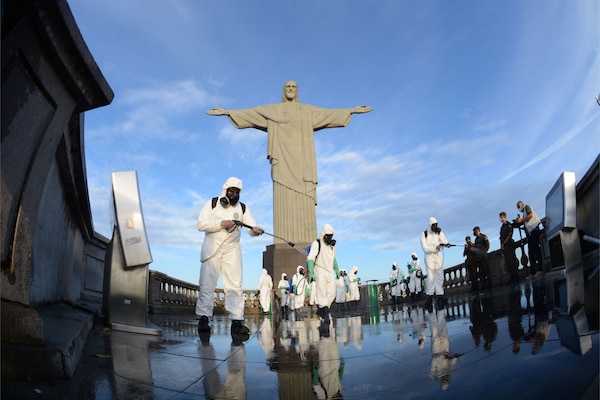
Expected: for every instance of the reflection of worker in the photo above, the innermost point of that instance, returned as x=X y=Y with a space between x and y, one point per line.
x=419 y=326
x=327 y=375
x=442 y=361
x=291 y=151
x=235 y=380
x=265 y=338
x=222 y=254
x=265 y=291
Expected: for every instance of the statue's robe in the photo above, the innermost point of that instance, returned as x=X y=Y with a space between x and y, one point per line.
x=291 y=152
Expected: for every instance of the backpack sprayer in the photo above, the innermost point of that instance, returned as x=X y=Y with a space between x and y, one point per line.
x=240 y=223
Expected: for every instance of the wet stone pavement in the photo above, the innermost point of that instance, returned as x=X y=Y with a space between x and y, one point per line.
x=511 y=342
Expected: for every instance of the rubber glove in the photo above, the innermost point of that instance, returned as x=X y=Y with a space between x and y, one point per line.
x=311 y=268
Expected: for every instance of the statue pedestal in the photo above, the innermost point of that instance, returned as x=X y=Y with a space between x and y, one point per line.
x=280 y=258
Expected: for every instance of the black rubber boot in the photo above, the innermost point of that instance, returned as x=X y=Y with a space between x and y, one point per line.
x=429 y=304
x=238 y=328
x=326 y=315
x=441 y=301
x=203 y=326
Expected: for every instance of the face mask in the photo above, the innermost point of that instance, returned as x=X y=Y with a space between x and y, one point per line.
x=301 y=272
x=328 y=239
x=233 y=198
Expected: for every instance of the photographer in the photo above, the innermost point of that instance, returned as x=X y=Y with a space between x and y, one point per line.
x=532 y=228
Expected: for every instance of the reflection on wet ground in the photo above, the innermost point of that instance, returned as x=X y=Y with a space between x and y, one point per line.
x=511 y=342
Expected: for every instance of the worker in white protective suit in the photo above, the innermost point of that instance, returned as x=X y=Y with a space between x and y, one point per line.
x=265 y=291
x=414 y=274
x=323 y=268
x=341 y=289
x=433 y=241
x=353 y=288
x=299 y=284
x=221 y=253
x=284 y=290
x=396 y=280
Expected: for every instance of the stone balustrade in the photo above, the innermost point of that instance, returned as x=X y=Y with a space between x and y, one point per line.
x=167 y=295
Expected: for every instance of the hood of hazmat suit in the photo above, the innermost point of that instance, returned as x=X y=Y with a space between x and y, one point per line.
x=327 y=230
x=231 y=182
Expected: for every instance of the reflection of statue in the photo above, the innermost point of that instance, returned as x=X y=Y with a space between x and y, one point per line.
x=291 y=152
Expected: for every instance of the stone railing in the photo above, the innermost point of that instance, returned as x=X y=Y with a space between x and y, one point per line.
x=456 y=279
x=167 y=295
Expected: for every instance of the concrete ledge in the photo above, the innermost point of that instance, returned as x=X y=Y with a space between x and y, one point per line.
x=66 y=330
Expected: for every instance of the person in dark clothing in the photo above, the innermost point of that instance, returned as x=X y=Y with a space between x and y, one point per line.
x=471 y=265
x=532 y=227
x=481 y=247
x=507 y=245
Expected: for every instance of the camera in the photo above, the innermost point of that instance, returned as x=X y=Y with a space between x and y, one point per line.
x=516 y=224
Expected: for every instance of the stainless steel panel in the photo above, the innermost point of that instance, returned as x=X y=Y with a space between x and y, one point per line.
x=130 y=219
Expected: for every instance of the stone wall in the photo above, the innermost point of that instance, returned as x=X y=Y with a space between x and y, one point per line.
x=50 y=253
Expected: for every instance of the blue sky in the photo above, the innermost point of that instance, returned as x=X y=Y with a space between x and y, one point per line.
x=477 y=105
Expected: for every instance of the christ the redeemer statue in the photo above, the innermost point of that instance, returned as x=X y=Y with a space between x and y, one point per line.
x=291 y=151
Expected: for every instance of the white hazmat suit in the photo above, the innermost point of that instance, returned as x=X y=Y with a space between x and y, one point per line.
x=300 y=284
x=341 y=288
x=396 y=279
x=434 y=258
x=265 y=288
x=284 y=288
x=415 y=273
x=353 y=288
x=221 y=253
x=322 y=264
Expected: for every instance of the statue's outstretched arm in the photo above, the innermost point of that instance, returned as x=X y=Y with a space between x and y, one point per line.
x=361 y=109
x=217 y=111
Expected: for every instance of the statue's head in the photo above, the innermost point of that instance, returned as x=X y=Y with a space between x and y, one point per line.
x=290 y=92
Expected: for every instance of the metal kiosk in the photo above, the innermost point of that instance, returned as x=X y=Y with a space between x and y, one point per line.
x=565 y=252
x=127 y=260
